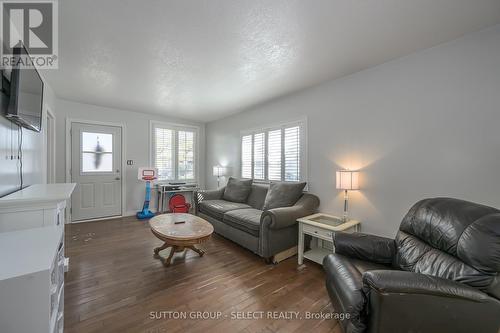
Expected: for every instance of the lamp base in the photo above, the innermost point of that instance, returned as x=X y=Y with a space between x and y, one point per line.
x=345 y=217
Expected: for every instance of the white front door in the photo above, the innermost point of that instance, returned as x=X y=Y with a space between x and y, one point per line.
x=96 y=168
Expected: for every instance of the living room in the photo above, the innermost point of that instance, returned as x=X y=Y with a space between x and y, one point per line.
x=250 y=166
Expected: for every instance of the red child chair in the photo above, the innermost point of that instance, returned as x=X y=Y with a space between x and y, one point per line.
x=178 y=204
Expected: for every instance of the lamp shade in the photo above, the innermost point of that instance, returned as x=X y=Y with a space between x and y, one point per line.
x=219 y=171
x=347 y=180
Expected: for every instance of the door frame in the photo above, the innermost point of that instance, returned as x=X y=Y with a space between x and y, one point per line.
x=69 y=123
x=50 y=147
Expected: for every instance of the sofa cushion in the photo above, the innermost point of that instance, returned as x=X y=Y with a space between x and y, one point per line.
x=416 y=256
x=247 y=219
x=217 y=208
x=257 y=196
x=237 y=190
x=283 y=194
x=344 y=277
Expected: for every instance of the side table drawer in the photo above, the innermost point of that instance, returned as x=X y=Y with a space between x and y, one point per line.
x=317 y=232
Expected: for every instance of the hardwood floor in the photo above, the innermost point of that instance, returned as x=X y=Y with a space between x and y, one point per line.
x=116 y=285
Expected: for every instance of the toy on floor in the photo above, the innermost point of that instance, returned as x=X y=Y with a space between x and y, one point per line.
x=178 y=204
x=147 y=175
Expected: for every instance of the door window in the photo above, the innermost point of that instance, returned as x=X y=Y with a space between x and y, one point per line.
x=97 y=152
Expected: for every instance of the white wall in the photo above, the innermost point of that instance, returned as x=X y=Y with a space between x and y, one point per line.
x=421 y=126
x=34 y=150
x=136 y=143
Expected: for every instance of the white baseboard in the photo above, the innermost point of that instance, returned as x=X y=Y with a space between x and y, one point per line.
x=97 y=219
x=130 y=213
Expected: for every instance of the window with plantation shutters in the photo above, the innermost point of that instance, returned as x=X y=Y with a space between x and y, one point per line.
x=274 y=154
x=291 y=154
x=163 y=153
x=174 y=151
x=246 y=156
x=259 y=157
x=185 y=155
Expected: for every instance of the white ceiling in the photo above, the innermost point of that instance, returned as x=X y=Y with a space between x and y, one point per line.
x=206 y=59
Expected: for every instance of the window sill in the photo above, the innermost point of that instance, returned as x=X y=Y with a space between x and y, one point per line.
x=267 y=182
x=168 y=181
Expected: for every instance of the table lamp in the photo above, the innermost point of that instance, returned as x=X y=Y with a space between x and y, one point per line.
x=219 y=171
x=347 y=180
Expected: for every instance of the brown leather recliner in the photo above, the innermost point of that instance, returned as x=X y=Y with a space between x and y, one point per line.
x=440 y=274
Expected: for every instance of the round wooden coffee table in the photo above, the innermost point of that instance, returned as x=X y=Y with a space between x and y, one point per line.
x=180 y=231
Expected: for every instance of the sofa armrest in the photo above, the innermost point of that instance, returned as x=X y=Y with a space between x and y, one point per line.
x=201 y=195
x=365 y=247
x=400 y=301
x=282 y=217
x=403 y=282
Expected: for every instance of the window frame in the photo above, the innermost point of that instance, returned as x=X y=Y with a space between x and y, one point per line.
x=303 y=173
x=175 y=127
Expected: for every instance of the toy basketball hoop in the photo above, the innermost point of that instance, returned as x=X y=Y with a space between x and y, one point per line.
x=147 y=175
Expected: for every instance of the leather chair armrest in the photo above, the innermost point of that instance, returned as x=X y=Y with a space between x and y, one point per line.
x=403 y=282
x=278 y=218
x=365 y=247
x=400 y=301
x=201 y=195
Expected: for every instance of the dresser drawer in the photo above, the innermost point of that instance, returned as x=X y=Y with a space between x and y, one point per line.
x=317 y=232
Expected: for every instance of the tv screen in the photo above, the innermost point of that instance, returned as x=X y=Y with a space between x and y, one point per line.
x=26 y=95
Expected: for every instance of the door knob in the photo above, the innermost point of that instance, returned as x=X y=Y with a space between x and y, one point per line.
x=117 y=178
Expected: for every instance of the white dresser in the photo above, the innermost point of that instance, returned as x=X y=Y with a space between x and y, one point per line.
x=35 y=206
x=32 y=280
x=32 y=259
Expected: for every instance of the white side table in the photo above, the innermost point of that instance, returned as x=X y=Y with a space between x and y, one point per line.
x=321 y=226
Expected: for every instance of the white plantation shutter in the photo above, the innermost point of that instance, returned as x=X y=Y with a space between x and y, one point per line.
x=185 y=155
x=174 y=151
x=246 y=156
x=163 y=152
x=259 y=156
x=292 y=154
x=274 y=155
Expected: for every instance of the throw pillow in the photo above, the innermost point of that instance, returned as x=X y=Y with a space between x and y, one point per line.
x=237 y=190
x=282 y=194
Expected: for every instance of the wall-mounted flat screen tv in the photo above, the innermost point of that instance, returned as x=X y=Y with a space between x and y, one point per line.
x=26 y=95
